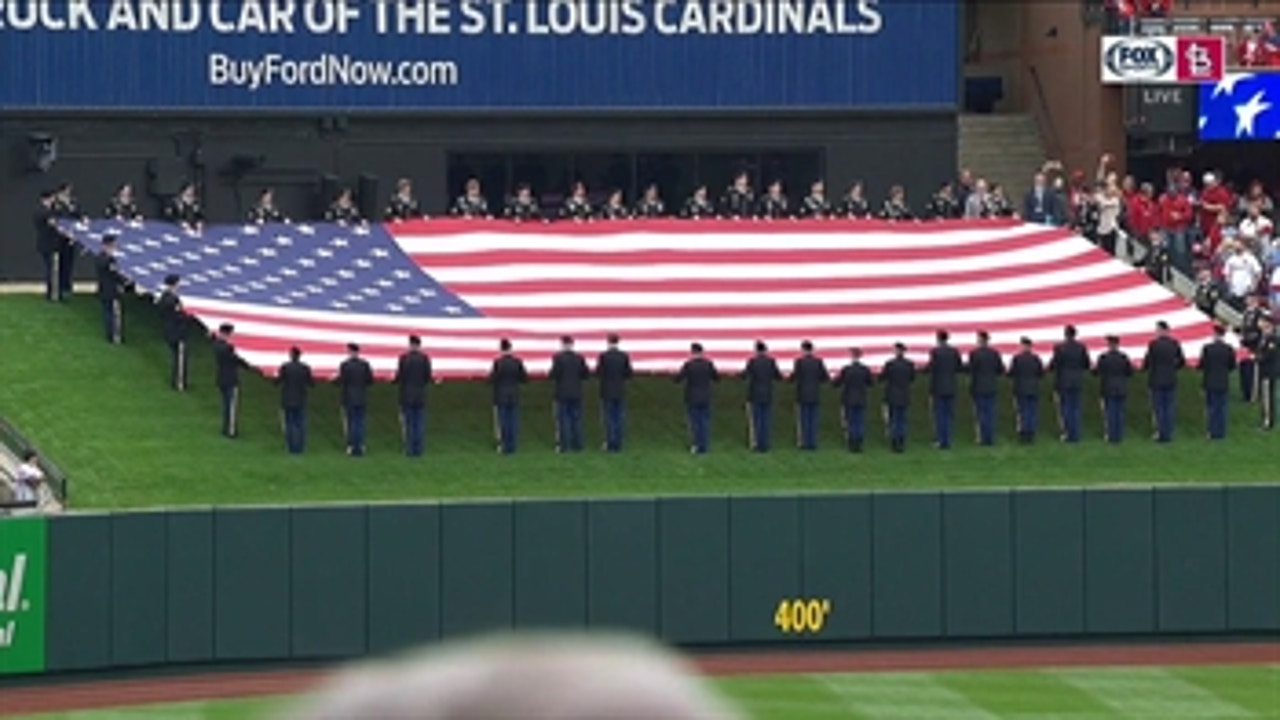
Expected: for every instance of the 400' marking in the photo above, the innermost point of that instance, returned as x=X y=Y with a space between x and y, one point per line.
x=802 y=617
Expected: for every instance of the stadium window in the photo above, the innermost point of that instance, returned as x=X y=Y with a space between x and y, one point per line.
x=604 y=171
x=493 y=170
x=675 y=173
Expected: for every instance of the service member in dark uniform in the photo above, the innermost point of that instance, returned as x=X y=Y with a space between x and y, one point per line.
x=1113 y=370
x=897 y=376
x=1158 y=263
x=895 y=206
x=853 y=381
x=110 y=286
x=265 y=210
x=175 y=324
x=809 y=374
x=184 y=209
x=1268 y=371
x=471 y=203
x=613 y=368
x=506 y=376
x=227 y=378
x=1251 y=339
x=854 y=204
x=1207 y=293
x=568 y=372
x=650 y=204
x=815 y=204
x=1217 y=362
x=402 y=205
x=774 y=205
x=698 y=375
x=295 y=381
x=413 y=375
x=761 y=372
x=698 y=206
x=121 y=206
x=614 y=207
x=355 y=377
x=1025 y=370
x=65 y=208
x=1163 y=361
x=48 y=239
x=577 y=206
x=944 y=368
x=943 y=205
x=343 y=209
x=522 y=206
x=985 y=367
x=1069 y=364
x=738 y=200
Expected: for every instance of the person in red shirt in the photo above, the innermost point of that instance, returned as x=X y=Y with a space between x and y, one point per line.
x=1214 y=198
x=1175 y=214
x=1143 y=211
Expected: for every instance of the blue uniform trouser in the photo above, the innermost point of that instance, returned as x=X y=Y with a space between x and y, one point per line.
x=984 y=410
x=66 y=268
x=413 y=421
x=353 y=426
x=943 y=414
x=759 y=425
x=855 y=423
x=1215 y=412
x=897 y=423
x=1248 y=379
x=1113 y=418
x=178 y=361
x=569 y=425
x=506 y=423
x=111 y=320
x=295 y=429
x=230 y=410
x=699 y=426
x=1162 y=410
x=614 y=418
x=807 y=425
x=51 y=289
x=1069 y=414
x=1028 y=414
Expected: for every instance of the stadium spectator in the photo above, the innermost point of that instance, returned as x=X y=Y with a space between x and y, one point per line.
x=651 y=205
x=965 y=184
x=1042 y=204
x=976 y=201
x=1253 y=51
x=547 y=678
x=1143 y=211
x=471 y=203
x=184 y=209
x=121 y=206
x=1175 y=220
x=343 y=209
x=998 y=204
x=1110 y=206
x=1214 y=199
x=895 y=206
x=774 y=205
x=1242 y=272
x=577 y=207
x=1256 y=195
x=402 y=205
x=28 y=479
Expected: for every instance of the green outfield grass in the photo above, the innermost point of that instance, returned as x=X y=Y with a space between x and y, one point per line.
x=1202 y=693
x=106 y=415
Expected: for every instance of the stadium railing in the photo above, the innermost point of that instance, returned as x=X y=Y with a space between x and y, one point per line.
x=15 y=443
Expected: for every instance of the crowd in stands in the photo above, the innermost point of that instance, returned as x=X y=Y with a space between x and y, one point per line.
x=1258 y=48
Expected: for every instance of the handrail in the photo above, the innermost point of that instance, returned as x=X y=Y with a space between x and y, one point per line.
x=1044 y=118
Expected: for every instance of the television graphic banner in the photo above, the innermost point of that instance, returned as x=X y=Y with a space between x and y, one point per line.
x=387 y=55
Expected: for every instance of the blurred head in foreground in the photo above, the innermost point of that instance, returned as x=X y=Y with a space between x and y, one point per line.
x=543 y=677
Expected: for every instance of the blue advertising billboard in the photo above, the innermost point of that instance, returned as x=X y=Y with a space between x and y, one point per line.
x=1241 y=107
x=383 y=55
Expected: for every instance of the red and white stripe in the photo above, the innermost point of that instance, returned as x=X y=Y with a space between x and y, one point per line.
x=664 y=284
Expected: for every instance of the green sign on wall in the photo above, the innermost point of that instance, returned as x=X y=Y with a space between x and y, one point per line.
x=22 y=591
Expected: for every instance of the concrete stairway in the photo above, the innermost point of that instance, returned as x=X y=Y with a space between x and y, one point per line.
x=1004 y=149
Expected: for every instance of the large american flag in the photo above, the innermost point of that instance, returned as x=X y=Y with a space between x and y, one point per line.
x=660 y=284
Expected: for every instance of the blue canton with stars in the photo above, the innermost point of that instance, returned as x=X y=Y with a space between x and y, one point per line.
x=1242 y=106
x=324 y=267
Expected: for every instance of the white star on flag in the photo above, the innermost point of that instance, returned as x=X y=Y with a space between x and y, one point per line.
x=339 y=242
x=379 y=253
x=284 y=240
x=1228 y=83
x=1248 y=113
x=306 y=229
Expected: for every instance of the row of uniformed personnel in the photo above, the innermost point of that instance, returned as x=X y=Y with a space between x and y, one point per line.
x=984 y=365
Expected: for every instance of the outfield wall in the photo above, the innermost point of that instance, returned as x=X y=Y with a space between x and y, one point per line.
x=235 y=585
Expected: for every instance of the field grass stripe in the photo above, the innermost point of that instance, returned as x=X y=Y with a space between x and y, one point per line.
x=1147 y=693
x=900 y=696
